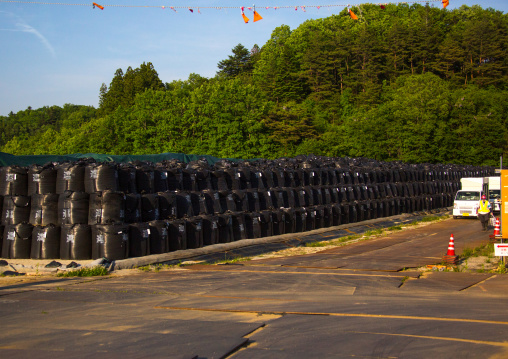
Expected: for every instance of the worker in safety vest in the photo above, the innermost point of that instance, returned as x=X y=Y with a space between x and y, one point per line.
x=484 y=211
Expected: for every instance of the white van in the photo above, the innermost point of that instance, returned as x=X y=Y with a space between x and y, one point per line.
x=466 y=203
x=494 y=195
x=467 y=199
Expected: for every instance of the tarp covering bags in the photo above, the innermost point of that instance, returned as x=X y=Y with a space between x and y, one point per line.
x=92 y=206
x=28 y=160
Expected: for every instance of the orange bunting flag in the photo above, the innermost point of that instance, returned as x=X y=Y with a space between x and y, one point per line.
x=245 y=18
x=446 y=3
x=99 y=6
x=257 y=17
x=352 y=14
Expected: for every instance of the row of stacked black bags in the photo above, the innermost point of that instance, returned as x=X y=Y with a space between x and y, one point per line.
x=89 y=210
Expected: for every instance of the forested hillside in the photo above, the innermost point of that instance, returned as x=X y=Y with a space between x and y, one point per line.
x=410 y=83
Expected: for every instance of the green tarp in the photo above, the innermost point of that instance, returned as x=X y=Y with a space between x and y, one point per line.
x=7 y=159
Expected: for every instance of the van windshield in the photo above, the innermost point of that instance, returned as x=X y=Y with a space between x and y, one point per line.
x=494 y=194
x=468 y=196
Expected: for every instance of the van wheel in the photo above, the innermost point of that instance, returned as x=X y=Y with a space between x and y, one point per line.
x=455 y=217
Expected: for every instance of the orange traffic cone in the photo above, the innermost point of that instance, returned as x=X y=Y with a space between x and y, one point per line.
x=451 y=247
x=497 y=231
x=450 y=256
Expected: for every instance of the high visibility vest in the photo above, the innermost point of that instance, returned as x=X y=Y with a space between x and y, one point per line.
x=484 y=207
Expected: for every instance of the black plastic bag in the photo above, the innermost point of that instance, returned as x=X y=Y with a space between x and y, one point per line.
x=110 y=241
x=15 y=209
x=70 y=177
x=106 y=207
x=76 y=241
x=45 y=242
x=13 y=181
x=17 y=243
x=159 y=237
x=73 y=207
x=42 y=179
x=139 y=239
x=101 y=177
x=44 y=209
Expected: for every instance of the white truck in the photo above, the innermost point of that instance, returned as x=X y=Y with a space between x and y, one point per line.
x=494 y=194
x=467 y=198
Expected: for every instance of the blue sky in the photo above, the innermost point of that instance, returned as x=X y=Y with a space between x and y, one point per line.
x=58 y=54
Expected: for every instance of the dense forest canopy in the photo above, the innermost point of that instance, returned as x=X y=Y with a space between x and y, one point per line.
x=408 y=82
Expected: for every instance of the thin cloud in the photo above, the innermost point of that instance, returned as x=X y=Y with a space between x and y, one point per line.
x=22 y=26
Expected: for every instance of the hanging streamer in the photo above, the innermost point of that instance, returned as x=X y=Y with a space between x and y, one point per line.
x=352 y=14
x=295 y=7
x=245 y=18
x=257 y=17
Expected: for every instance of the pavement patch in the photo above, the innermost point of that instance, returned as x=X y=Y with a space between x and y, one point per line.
x=445 y=281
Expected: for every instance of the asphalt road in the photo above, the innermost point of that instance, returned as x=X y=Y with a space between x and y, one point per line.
x=348 y=302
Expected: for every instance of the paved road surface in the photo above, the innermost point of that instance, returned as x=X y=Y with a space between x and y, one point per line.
x=348 y=302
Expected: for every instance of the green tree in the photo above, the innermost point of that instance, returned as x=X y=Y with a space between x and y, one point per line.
x=482 y=42
x=410 y=116
x=276 y=71
x=235 y=64
x=111 y=98
x=290 y=125
x=124 y=88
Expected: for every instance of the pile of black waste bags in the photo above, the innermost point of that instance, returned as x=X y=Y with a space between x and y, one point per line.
x=88 y=210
